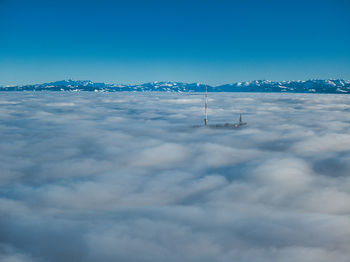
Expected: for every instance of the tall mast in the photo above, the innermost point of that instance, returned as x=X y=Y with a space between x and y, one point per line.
x=206 y=106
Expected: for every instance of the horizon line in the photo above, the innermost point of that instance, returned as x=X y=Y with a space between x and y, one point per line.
x=182 y=82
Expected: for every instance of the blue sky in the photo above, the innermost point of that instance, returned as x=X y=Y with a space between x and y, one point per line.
x=207 y=41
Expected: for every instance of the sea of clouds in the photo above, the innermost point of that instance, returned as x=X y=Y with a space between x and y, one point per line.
x=136 y=177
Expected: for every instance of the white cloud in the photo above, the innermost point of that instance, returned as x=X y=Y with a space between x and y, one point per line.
x=131 y=177
x=10 y=254
x=328 y=143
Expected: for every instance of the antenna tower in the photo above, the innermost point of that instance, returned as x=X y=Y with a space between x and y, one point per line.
x=206 y=106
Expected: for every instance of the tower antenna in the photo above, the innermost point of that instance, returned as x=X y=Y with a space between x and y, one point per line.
x=206 y=106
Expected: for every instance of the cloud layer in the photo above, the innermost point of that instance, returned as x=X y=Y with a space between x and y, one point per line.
x=134 y=177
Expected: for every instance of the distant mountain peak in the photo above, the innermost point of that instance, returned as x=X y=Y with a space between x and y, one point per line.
x=334 y=86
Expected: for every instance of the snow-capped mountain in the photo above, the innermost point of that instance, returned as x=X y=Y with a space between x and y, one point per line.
x=310 y=86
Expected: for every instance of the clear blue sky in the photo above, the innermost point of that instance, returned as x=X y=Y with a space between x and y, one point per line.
x=211 y=41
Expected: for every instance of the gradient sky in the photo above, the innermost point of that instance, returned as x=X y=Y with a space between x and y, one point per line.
x=208 y=41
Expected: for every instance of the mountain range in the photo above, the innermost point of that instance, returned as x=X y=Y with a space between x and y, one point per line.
x=333 y=86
